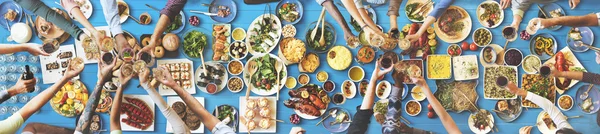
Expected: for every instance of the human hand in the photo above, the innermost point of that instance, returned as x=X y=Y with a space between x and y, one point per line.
x=72 y=71
x=105 y=70
x=163 y=76
x=512 y=87
x=122 y=42
x=419 y=81
x=573 y=3
x=398 y=79
x=412 y=37
x=554 y=72
x=34 y=49
x=505 y=3
x=525 y=130
x=124 y=79
x=24 y=86
x=377 y=72
x=98 y=37
x=68 y=5
x=144 y=76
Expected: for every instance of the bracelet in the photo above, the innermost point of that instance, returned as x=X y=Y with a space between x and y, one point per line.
x=363 y=27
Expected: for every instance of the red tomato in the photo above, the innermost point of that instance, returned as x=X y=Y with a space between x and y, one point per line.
x=430 y=114
x=458 y=51
x=465 y=46
x=450 y=51
x=473 y=47
x=429 y=107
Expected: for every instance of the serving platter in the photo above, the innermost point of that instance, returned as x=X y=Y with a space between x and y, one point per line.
x=464 y=33
x=465 y=67
x=471 y=124
x=530 y=86
x=507 y=116
x=594 y=95
x=173 y=99
x=496 y=48
x=489 y=82
x=163 y=90
x=149 y=102
x=425 y=12
x=439 y=65
x=234 y=121
x=457 y=95
x=4 y=7
x=267 y=46
x=481 y=12
x=210 y=73
x=337 y=128
x=214 y=7
x=570 y=57
x=72 y=92
x=251 y=68
x=299 y=9
x=542 y=127
x=243 y=108
x=123 y=17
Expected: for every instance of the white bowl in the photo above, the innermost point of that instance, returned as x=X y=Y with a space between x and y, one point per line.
x=386 y=91
x=535 y=69
x=570 y=98
x=230 y=64
x=352 y=89
x=235 y=77
x=405 y=108
x=298 y=79
x=487 y=43
x=419 y=95
x=505 y=52
x=361 y=70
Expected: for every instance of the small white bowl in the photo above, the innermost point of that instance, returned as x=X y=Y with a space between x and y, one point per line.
x=326 y=76
x=361 y=70
x=293 y=79
x=535 y=69
x=235 y=77
x=386 y=91
x=570 y=98
x=352 y=89
x=228 y=69
x=302 y=84
x=487 y=43
x=505 y=52
x=418 y=95
x=406 y=107
x=243 y=37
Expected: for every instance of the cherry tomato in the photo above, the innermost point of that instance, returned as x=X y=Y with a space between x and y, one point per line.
x=429 y=107
x=464 y=46
x=450 y=51
x=458 y=51
x=473 y=47
x=430 y=114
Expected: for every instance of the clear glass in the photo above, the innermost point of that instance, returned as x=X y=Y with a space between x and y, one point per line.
x=2 y=87
x=21 y=58
x=21 y=68
x=2 y=58
x=37 y=89
x=11 y=68
x=3 y=110
x=23 y=98
x=3 y=69
x=10 y=58
x=12 y=100
x=3 y=78
x=14 y=109
x=34 y=69
x=13 y=77
x=33 y=59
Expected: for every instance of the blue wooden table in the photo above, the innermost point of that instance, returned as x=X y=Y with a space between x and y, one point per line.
x=247 y=13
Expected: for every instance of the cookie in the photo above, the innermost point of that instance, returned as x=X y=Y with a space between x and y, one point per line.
x=193 y=125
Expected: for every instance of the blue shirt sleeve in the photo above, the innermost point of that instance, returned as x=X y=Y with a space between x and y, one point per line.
x=440 y=8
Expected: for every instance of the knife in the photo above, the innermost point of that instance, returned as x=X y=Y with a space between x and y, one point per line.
x=421 y=7
x=205 y=13
x=152 y=7
x=542 y=10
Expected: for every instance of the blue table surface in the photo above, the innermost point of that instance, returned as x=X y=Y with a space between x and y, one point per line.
x=247 y=13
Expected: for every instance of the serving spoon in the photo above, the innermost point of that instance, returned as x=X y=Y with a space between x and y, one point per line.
x=332 y=113
x=322 y=40
x=314 y=31
x=585 y=94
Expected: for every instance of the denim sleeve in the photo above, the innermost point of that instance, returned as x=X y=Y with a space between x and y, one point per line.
x=440 y=8
x=42 y=10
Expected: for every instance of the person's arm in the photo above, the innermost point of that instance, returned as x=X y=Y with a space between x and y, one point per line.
x=206 y=117
x=22 y=86
x=335 y=13
x=115 y=110
x=572 y=21
x=519 y=7
x=167 y=15
x=393 y=13
x=33 y=49
x=354 y=12
x=557 y=117
x=446 y=119
x=42 y=10
x=104 y=74
x=581 y=76
x=111 y=15
x=177 y=123
x=42 y=98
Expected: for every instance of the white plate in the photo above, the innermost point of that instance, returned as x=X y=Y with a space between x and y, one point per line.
x=542 y=127
x=569 y=56
x=352 y=89
x=272 y=106
x=496 y=48
x=86 y=9
x=276 y=36
x=247 y=75
x=223 y=78
x=386 y=91
x=463 y=65
x=52 y=76
x=476 y=130
x=425 y=13
x=464 y=33
x=171 y=100
x=150 y=103
x=167 y=91
x=480 y=11
x=123 y=18
x=81 y=51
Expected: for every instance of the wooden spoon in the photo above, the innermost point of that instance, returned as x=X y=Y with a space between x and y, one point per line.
x=314 y=31
x=500 y=55
x=322 y=40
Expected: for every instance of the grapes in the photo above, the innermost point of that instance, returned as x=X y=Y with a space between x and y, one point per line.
x=295 y=119
x=524 y=35
x=194 y=20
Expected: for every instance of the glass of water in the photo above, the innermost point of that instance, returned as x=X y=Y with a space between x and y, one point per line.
x=14 y=109
x=36 y=89
x=21 y=68
x=12 y=100
x=11 y=68
x=21 y=58
x=10 y=58
x=13 y=77
x=23 y=98
x=33 y=59
x=3 y=69
x=3 y=110
x=2 y=58
x=2 y=87
x=3 y=78
x=34 y=69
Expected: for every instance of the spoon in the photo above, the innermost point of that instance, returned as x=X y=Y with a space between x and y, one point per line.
x=314 y=31
x=580 y=43
x=322 y=40
x=278 y=68
x=585 y=94
x=332 y=113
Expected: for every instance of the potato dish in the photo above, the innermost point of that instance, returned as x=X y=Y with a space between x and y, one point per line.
x=439 y=67
x=293 y=49
x=338 y=58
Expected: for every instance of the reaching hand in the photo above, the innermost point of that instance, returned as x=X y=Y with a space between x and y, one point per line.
x=68 y=5
x=149 y=49
x=573 y=3
x=23 y=86
x=34 y=49
x=124 y=79
x=105 y=70
x=554 y=72
x=377 y=73
x=398 y=79
x=163 y=76
x=419 y=81
x=412 y=37
x=122 y=43
x=505 y=3
x=512 y=88
x=70 y=73
x=98 y=37
x=144 y=76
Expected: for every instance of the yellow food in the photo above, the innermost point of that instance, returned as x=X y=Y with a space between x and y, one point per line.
x=238 y=34
x=322 y=76
x=293 y=49
x=338 y=58
x=310 y=63
x=439 y=67
x=303 y=79
x=290 y=82
x=356 y=74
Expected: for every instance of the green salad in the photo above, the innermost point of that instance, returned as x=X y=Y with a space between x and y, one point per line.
x=314 y=43
x=265 y=77
x=176 y=23
x=193 y=43
x=410 y=8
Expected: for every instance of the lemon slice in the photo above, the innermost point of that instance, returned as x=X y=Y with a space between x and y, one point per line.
x=432 y=43
x=431 y=36
x=71 y=94
x=56 y=99
x=304 y=94
x=430 y=30
x=406 y=28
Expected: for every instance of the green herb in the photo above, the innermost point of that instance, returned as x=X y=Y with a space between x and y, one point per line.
x=314 y=43
x=410 y=8
x=175 y=24
x=261 y=34
x=265 y=77
x=194 y=42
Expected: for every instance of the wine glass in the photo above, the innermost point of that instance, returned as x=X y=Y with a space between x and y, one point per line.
x=10 y=58
x=33 y=59
x=21 y=58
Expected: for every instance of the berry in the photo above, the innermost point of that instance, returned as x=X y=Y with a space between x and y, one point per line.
x=194 y=20
x=524 y=35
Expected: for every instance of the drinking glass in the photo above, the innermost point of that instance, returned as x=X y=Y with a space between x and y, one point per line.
x=37 y=89
x=34 y=69
x=2 y=87
x=21 y=58
x=11 y=68
x=13 y=77
x=14 y=109
x=12 y=100
x=3 y=69
x=2 y=58
x=23 y=98
x=501 y=81
x=33 y=59
x=545 y=71
x=3 y=110
x=3 y=78
x=21 y=68
x=10 y=58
